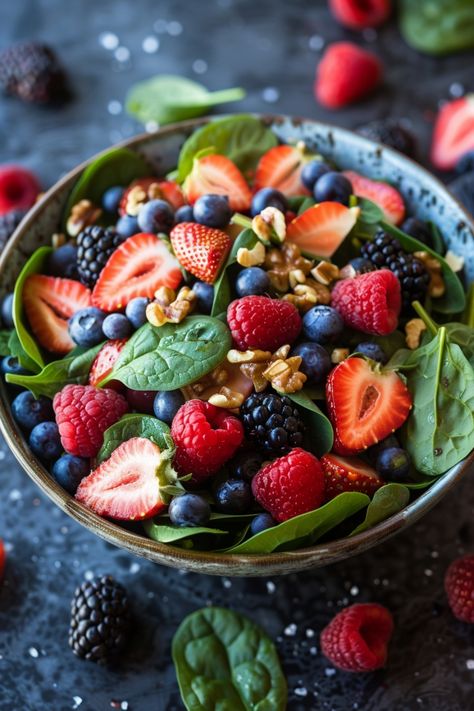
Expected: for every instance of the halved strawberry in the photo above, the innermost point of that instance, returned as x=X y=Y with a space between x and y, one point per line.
x=322 y=228
x=382 y=194
x=104 y=362
x=280 y=168
x=170 y=191
x=348 y=474
x=3 y=558
x=218 y=175
x=138 y=267
x=49 y=302
x=200 y=249
x=365 y=404
x=453 y=132
x=127 y=485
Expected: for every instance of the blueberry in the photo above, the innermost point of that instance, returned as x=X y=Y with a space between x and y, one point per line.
x=234 y=496
x=252 y=280
x=29 y=411
x=261 y=523
x=322 y=324
x=393 y=464
x=372 y=351
x=189 y=510
x=315 y=363
x=204 y=296
x=156 y=216
x=268 y=197
x=466 y=163
x=11 y=365
x=333 y=187
x=127 y=226
x=418 y=229
x=63 y=262
x=312 y=171
x=387 y=443
x=85 y=326
x=212 y=211
x=111 y=198
x=141 y=400
x=167 y=404
x=116 y=326
x=184 y=213
x=135 y=311
x=7 y=311
x=246 y=464
x=45 y=442
x=69 y=471
x=362 y=265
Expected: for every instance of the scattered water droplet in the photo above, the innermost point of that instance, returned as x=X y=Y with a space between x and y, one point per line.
x=77 y=702
x=160 y=26
x=316 y=43
x=151 y=44
x=122 y=54
x=109 y=40
x=174 y=28
x=271 y=587
x=456 y=90
x=470 y=664
x=270 y=94
x=114 y=107
x=290 y=631
x=301 y=691
x=200 y=66
x=33 y=652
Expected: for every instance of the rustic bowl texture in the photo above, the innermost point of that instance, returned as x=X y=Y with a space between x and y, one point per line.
x=425 y=196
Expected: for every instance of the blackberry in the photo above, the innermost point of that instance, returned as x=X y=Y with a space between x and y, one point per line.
x=94 y=246
x=8 y=224
x=272 y=422
x=391 y=133
x=32 y=72
x=387 y=252
x=100 y=619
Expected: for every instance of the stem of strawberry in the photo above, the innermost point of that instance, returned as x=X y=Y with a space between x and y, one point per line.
x=427 y=320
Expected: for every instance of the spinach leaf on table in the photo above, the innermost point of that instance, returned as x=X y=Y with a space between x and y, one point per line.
x=134 y=425
x=438 y=27
x=320 y=433
x=388 y=500
x=222 y=290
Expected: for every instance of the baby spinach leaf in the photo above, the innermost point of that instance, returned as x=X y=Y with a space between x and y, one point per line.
x=170 y=534
x=55 y=375
x=389 y=344
x=437 y=238
x=129 y=426
x=4 y=343
x=306 y=204
x=437 y=27
x=17 y=350
x=388 y=500
x=243 y=139
x=222 y=291
x=296 y=201
x=225 y=661
x=321 y=436
x=370 y=213
x=171 y=356
x=468 y=315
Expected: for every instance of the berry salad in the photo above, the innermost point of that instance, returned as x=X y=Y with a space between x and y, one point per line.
x=250 y=354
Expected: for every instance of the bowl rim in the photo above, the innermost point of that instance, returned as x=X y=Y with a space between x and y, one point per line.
x=213 y=562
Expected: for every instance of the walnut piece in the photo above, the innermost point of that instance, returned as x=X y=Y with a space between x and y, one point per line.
x=58 y=239
x=263 y=367
x=339 y=354
x=83 y=214
x=270 y=225
x=136 y=198
x=325 y=273
x=413 y=331
x=251 y=257
x=281 y=263
x=169 y=307
x=436 y=287
x=227 y=398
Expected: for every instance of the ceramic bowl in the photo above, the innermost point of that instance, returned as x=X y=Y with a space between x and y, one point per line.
x=425 y=196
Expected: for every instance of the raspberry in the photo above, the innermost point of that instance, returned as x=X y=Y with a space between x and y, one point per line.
x=83 y=413
x=459 y=586
x=261 y=322
x=370 y=302
x=206 y=437
x=290 y=485
x=356 y=639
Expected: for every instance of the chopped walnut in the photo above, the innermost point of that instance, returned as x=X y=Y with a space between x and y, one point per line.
x=169 y=307
x=227 y=398
x=83 y=214
x=263 y=367
x=154 y=192
x=270 y=225
x=251 y=257
x=58 y=239
x=307 y=295
x=325 y=273
x=413 y=331
x=436 y=287
x=339 y=354
x=136 y=198
x=281 y=263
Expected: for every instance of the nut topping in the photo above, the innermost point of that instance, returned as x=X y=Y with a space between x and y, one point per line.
x=83 y=214
x=413 y=330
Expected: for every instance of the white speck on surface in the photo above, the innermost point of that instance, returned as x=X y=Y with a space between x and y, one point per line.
x=271 y=587
x=124 y=705
x=33 y=652
x=64 y=530
x=270 y=94
x=470 y=664
x=456 y=90
x=434 y=554
x=226 y=583
x=354 y=590
x=174 y=28
x=122 y=54
x=108 y=40
x=151 y=44
x=384 y=582
x=369 y=34
x=15 y=495
x=134 y=568
x=329 y=672
x=428 y=572
x=57 y=564
x=114 y=107
x=150 y=594
x=151 y=126
x=313 y=651
x=2 y=455
x=301 y=691
x=316 y=43
x=310 y=633
x=200 y=66
x=290 y=631
x=160 y=26
x=77 y=701
x=88 y=575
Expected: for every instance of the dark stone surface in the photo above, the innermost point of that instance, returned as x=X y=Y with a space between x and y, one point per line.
x=259 y=45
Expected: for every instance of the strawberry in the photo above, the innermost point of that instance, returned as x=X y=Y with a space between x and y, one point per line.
x=360 y=14
x=280 y=168
x=3 y=558
x=321 y=229
x=49 y=302
x=348 y=474
x=365 y=404
x=218 y=175
x=453 y=134
x=201 y=250
x=345 y=74
x=382 y=194
x=170 y=191
x=138 y=267
x=104 y=362
x=19 y=188
x=128 y=485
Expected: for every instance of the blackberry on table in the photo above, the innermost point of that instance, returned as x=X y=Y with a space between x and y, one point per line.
x=32 y=72
x=272 y=422
x=391 y=133
x=8 y=224
x=94 y=247
x=100 y=619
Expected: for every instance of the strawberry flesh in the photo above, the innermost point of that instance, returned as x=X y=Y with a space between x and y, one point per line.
x=280 y=168
x=453 y=134
x=348 y=474
x=382 y=194
x=321 y=229
x=218 y=175
x=104 y=362
x=200 y=249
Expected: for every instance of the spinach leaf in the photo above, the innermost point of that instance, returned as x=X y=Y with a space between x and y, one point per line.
x=390 y=344
x=225 y=661
x=468 y=315
x=171 y=356
x=319 y=428
x=306 y=204
x=296 y=201
x=222 y=291
x=4 y=343
x=437 y=238
x=170 y=534
x=133 y=426
x=463 y=336
x=388 y=500
x=166 y=98
x=437 y=27
x=370 y=213
x=17 y=350
x=312 y=525
x=55 y=375
x=243 y=139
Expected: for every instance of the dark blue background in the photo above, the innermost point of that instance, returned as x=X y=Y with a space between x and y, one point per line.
x=271 y=49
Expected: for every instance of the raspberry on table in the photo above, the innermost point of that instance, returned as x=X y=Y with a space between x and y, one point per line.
x=459 y=586
x=264 y=323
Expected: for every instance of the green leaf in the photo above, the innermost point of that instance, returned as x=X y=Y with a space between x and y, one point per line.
x=222 y=289
x=437 y=238
x=399 y=360
x=73 y=370
x=306 y=204
x=370 y=213
x=437 y=26
x=468 y=315
x=225 y=662
x=4 y=343
x=173 y=355
x=166 y=98
x=390 y=344
x=312 y=525
x=320 y=434
x=243 y=139
x=133 y=426
x=388 y=500
x=463 y=336
x=170 y=534
x=17 y=350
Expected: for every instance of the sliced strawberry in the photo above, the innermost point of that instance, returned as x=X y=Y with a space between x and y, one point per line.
x=365 y=405
x=49 y=302
x=382 y=194
x=218 y=175
x=104 y=362
x=200 y=249
x=322 y=228
x=348 y=474
x=3 y=558
x=235 y=381
x=453 y=132
x=138 y=267
x=280 y=168
x=170 y=191
x=127 y=485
